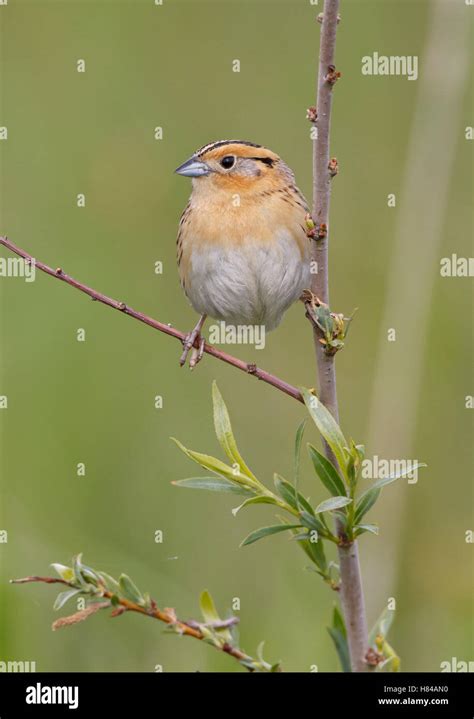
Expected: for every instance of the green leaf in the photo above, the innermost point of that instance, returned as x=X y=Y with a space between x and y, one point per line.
x=285 y=490
x=148 y=602
x=215 y=465
x=260 y=652
x=63 y=597
x=77 y=569
x=339 y=636
x=326 y=472
x=312 y=536
x=303 y=536
x=315 y=551
x=311 y=522
x=90 y=575
x=290 y=495
x=324 y=319
x=338 y=621
x=364 y=503
x=398 y=475
x=342 y=520
x=360 y=449
x=224 y=432
x=66 y=573
x=303 y=504
x=208 y=608
x=382 y=625
x=266 y=531
x=298 y=440
x=333 y=503
x=361 y=528
x=213 y=484
x=254 y=500
x=342 y=648
x=368 y=498
x=111 y=583
x=327 y=426
x=211 y=615
x=129 y=590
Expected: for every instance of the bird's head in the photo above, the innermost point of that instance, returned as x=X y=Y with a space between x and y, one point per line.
x=235 y=166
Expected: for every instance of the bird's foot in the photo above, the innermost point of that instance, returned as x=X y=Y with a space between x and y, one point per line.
x=197 y=353
x=194 y=343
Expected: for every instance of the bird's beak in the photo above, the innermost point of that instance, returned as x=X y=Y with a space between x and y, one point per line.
x=193 y=168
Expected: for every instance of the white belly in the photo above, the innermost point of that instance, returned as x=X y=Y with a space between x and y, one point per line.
x=250 y=285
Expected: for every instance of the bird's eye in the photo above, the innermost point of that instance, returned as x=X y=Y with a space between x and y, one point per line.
x=227 y=162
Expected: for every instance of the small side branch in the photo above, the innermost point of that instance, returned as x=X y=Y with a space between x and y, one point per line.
x=121 y=605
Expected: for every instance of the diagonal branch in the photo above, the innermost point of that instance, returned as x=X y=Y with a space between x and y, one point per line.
x=248 y=367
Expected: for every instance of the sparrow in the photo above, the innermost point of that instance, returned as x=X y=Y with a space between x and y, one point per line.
x=243 y=250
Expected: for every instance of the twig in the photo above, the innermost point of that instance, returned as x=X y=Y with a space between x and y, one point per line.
x=189 y=629
x=352 y=596
x=247 y=367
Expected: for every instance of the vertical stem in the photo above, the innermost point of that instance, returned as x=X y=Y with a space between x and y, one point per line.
x=352 y=596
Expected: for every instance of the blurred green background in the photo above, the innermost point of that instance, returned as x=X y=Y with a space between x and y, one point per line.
x=93 y=402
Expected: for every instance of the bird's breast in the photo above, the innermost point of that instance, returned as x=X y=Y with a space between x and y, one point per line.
x=245 y=273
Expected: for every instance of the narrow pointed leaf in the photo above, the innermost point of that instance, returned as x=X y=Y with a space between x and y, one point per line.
x=315 y=551
x=342 y=648
x=365 y=502
x=338 y=634
x=288 y=492
x=327 y=426
x=360 y=449
x=398 y=475
x=66 y=573
x=208 y=608
x=326 y=472
x=129 y=590
x=285 y=490
x=298 y=440
x=211 y=615
x=215 y=465
x=77 y=569
x=311 y=521
x=361 y=528
x=254 y=500
x=266 y=531
x=303 y=536
x=333 y=503
x=110 y=582
x=368 y=498
x=63 y=597
x=213 y=484
x=90 y=575
x=224 y=432
x=382 y=625
x=338 y=621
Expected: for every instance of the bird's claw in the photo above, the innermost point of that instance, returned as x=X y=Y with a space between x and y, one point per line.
x=195 y=342
x=188 y=343
x=197 y=353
